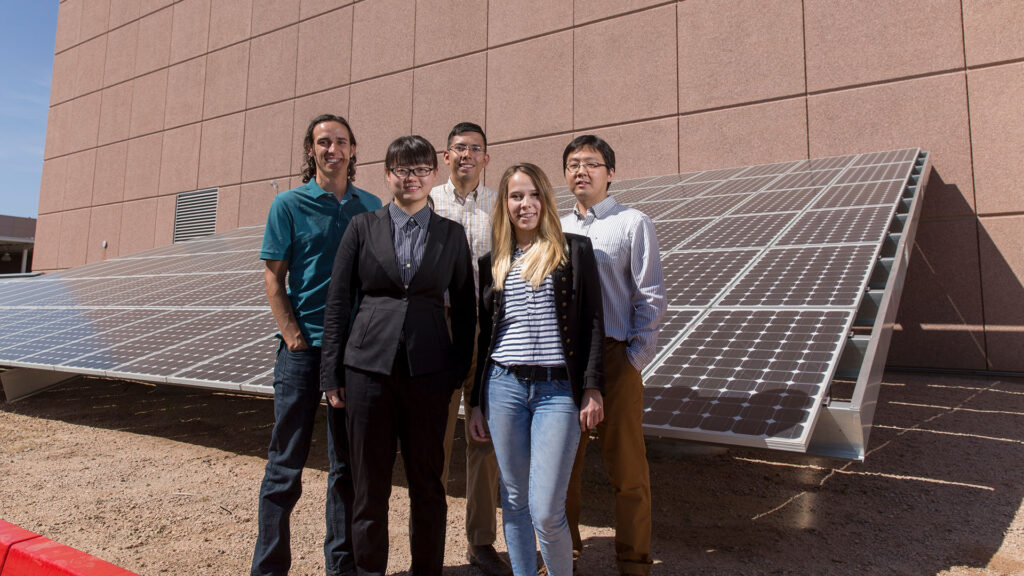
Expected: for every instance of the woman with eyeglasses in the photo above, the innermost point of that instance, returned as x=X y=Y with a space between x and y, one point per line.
x=388 y=356
x=540 y=369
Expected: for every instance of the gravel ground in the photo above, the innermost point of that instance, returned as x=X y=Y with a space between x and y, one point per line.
x=164 y=480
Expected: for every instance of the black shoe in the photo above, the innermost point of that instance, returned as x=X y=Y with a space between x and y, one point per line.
x=486 y=558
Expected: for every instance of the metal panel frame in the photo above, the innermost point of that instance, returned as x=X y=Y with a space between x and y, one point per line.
x=844 y=427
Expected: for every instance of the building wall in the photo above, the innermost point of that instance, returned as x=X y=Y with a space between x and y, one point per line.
x=155 y=97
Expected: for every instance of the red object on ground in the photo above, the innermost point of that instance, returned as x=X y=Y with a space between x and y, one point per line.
x=24 y=553
x=9 y=536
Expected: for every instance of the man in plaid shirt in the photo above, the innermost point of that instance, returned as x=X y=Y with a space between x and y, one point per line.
x=464 y=199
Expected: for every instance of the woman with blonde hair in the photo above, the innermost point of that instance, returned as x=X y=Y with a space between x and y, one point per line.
x=540 y=369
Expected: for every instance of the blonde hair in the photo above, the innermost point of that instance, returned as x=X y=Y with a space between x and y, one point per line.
x=547 y=252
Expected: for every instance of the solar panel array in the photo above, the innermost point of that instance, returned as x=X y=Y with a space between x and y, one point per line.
x=192 y=313
x=765 y=269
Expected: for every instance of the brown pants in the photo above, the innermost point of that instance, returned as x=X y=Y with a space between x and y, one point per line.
x=481 y=471
x=625 y=458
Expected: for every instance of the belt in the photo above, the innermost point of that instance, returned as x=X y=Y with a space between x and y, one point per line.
x=534 y=373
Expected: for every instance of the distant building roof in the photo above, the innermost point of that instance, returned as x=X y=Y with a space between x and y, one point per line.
x=17 y=229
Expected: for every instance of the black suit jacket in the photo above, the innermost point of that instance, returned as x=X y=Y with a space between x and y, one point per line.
x=580 y=319
x=369 y=309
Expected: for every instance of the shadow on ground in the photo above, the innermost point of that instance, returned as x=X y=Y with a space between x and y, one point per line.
x=939 y=489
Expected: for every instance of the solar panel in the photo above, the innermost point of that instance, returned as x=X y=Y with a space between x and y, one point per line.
x=191 y=313
x=779 y=279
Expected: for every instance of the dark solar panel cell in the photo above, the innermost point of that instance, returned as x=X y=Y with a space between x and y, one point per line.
x=721 y=394
x=908 y=155
x=237 y=367
x=256 y=300
x=156 y=320
x=224 y=333
x=655 y=209
x=25 y=322
x=671 y=233
x=631 y=183
x=848 y=225
x=51 y=291
x=241 y=288
x=11 y=291
x=75 y=325
x=704 y=207
x=814 y=179
x=690 y=190
x=668 y=180
x=673 y=323
x=822 y=163
x=213 y=285
x=13 y=317
x=874 y=173
x=741 y=231
x=116 y=292
x=818 y=276
x=697 y=278
x=846 y=195
x=633 y=195
x=778 y=201
x=769 y=169
x=165 y=339
x=167 y=286
x=740 y=186
x=715 y=175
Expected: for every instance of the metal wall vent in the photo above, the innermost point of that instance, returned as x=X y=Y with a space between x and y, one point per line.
x=195 y=214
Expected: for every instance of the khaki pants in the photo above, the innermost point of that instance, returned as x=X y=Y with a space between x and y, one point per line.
x=481 y=471
x=625 y=458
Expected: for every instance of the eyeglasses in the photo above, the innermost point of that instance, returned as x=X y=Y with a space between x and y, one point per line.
x=461 y=149
x=419 y=171
x=575 y=167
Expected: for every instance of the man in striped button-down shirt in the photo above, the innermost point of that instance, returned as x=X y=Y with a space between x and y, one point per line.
x=464 y=199
x=634 y=302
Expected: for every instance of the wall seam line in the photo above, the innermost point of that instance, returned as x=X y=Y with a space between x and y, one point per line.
x=974 y=187
x=807 y=96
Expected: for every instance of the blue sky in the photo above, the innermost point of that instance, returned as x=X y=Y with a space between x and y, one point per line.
x=27 y=32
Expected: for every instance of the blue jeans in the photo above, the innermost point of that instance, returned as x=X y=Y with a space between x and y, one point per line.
x=535 y=428
x=296 y=400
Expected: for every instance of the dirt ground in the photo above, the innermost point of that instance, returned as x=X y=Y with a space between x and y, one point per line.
x=164 y=480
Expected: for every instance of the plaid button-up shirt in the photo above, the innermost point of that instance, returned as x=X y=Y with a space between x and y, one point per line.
x=474 y=213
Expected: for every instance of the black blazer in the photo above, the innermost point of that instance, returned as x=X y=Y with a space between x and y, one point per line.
x=580 y=319
x=365 y=283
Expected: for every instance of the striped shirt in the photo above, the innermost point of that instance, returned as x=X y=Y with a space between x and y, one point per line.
x=473 y=212
x=528 y=332
x=410 y=234
x=629 y=266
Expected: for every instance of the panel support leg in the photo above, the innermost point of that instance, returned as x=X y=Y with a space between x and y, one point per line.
x=20 y=383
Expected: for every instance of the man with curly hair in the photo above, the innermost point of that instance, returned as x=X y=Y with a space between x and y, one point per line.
x=304 y=228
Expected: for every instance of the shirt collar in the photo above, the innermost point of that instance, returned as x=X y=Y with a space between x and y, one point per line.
x=399 y=217
x=449 y=188
x=600 y=210
x=314 y=191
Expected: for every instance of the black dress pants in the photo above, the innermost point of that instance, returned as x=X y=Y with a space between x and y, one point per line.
x=384 y=410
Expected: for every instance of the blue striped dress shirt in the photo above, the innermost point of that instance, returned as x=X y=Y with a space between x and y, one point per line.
x=629 y=266
x=410 y=233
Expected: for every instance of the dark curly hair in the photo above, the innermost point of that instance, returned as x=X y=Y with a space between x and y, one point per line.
x=309 y=170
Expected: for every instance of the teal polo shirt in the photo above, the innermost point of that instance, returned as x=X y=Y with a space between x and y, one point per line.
x=304 y=228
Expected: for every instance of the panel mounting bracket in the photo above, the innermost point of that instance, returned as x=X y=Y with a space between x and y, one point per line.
x=20 y=383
